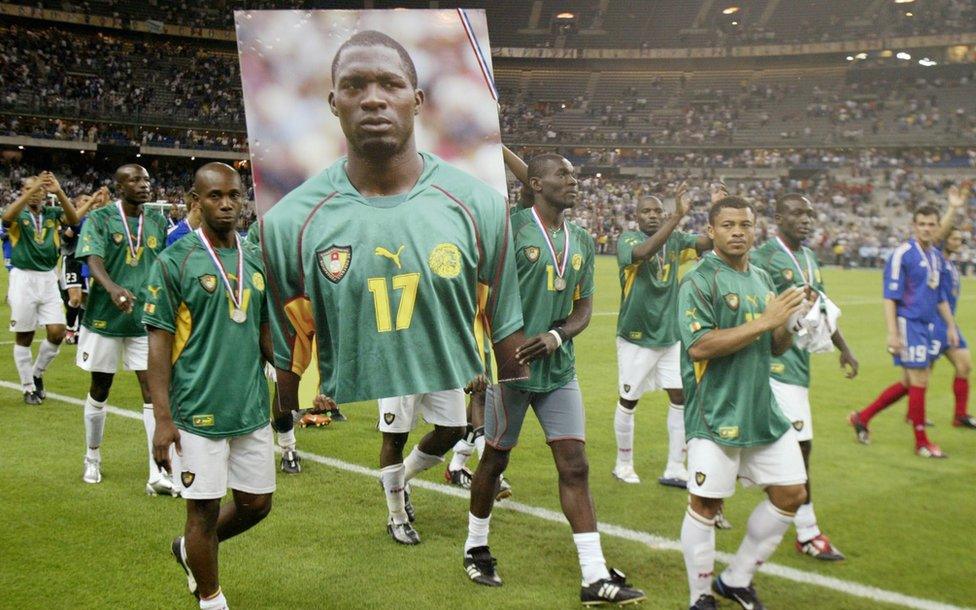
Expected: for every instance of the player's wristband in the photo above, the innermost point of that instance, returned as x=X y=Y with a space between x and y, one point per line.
x=559 y=338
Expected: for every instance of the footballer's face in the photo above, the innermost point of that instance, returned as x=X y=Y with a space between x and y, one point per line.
x=796 y=219
x=375 y=101
x=36 y=200
x=557 y=184
x=650 y=214
x=926 y=227
x=953 y=243
x=218 y=195
x=733 y=231
x=132 y=183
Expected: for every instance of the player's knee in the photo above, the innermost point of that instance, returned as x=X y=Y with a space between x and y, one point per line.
x=494 y=461
x=964 y=368
x=789 y=498
x=575 y=470
x=56 y=335
x=395 y=440
x=258 y=507
x=453 y=434
x=24 y=339
x=628 y=404
x=704 y=507
x=676 y=396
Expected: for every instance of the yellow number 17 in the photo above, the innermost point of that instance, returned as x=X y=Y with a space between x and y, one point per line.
x=408 y=283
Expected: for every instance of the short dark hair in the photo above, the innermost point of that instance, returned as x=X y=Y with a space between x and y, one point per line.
x=648 y=197
x=925 y=210
x=536 y=166
x=731 y=201
x=785 y=199
x=372 y=38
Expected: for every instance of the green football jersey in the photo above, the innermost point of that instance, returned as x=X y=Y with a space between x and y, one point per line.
x=649 y=288
x=389 y=289
x=217 y=387
x=727 y=399
x=542 y=303
x=33 y=250
x=103 y=234
x=793 y=367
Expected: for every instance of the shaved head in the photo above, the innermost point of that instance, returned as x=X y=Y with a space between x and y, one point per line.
x=127 y=169
x=213 y=172
x=132 y=184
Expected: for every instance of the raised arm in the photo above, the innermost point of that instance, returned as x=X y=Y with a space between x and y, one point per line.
x=14 y=209
x=516 y=165
x=52 y=186
x=957 y=207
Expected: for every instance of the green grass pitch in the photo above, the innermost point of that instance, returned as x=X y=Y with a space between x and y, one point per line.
x=905 y=523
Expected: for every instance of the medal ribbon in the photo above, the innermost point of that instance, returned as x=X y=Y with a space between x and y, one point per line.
x=133 y=249
x=38 y=225
x=560 y=267
x=238 y=296
x=796 y=263
x=930 y=265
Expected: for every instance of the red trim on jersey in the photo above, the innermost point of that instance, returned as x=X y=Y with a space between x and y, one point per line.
x=301 y=235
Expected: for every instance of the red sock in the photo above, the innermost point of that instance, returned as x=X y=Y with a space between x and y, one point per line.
x=960 y=387
x=891 y=394
x=916 y=413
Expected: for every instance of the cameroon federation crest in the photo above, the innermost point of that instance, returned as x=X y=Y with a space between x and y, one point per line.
x=700 y=478
x=732 y=300
x=798 y=425
x=258 y=280
x=117 y=237
x=787 y=275
x=445 y=260
x=577 y=262
x=208 y=282
x=388 y=418
x=187 y=478
x=152 y=242
x=334 y=262
x=532 y=253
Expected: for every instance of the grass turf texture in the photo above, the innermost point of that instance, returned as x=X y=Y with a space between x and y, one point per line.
x=898 y=518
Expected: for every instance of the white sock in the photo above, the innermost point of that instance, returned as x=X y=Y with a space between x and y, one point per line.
x=592 y=564
x=45 y=355
x=94 y=426
x=462 y=453
x=479 y=442
x=22 y=359
x=149 y=422
x=764 y=531
x=477 y=532
x=676 y=436
x=698 y=547
x=217 y=602
x=418 y=461
x=806 y=523
x=286 y=440
x=393 y=482
x=623 y=427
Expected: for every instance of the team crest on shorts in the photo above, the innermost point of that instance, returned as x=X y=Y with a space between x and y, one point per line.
x=700 y=478
x=788 y=275
x=626 y=387
x=208 y=282
x=187 y=478
x=732 y=300
x=117 y=237
x=798 y=425
x=577 y=262
x=334 y=262
x=445 y=260
x=258 y=280
x=388 y=418
x=84 y=356
x=532 y=253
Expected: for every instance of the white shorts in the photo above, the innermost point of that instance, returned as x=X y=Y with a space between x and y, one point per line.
x=645 y=369
x=713 y=468
x=100 y=354
x=446 y=408
x=208 y=467
x=35 y=300
x=794 y=402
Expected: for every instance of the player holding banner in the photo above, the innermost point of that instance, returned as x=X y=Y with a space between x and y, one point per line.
x=555 y=261
x=121 y=242
x=206 y=311
x=781 y=258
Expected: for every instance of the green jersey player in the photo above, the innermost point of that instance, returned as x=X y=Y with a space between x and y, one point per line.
x=120 y=242
x=207 y=315
x=647 y=327
x=789 y=263
x=555 y=261
x=731 y=323
x=33 y=293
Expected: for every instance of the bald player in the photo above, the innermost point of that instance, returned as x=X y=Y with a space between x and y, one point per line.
x=648 y=352
x=120 y=242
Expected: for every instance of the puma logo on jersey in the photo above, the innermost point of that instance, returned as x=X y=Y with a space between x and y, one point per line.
x=381 y=251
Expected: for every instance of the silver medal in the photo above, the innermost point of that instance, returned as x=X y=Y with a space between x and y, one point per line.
x=559 y=284
x=238 y=316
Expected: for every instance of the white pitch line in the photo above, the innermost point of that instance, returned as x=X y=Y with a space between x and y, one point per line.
x=654 y=542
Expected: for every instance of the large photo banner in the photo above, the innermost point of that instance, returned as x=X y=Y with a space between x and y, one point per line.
x=286 y=59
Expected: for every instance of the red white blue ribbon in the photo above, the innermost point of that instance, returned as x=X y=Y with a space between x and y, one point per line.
x=796 y=263
x=237 y=297
x=560 y=266
x=478 y=53
x=133 y=247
